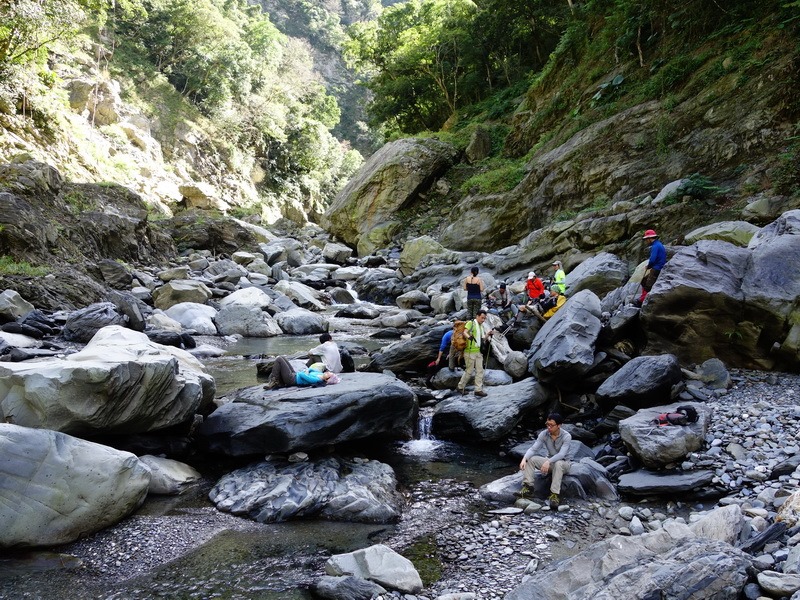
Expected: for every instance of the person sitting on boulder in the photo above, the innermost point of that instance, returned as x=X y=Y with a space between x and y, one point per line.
x=548 y=456
x=547 y=307
x=328 y=352
x=501 y=299
x=284 y=375
x=535 y=287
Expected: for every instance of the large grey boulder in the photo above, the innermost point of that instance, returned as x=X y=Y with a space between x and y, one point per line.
x=169 y=477
x=362 y=491
x=380 y=564
x=364 y=213
x=248 y=321
x=180 y=290
x=600 y=273
x=417 y=249
x=82 y=324
x=657 y=446
x=714 y=299
x=669 y=484
x=121 y=382
x=257 y=421
x=644 y=381
x=195 y=317
x=662 y=564
x=301 y=294
x=411 y=354
x=300 y=321
x=58 y=488
x=13 y=306
x=489 y=418
x=563 y=350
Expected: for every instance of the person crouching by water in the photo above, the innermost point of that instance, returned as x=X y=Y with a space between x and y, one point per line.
x=474 y=286
x=284 y=375
x=548 y=456
x=476 y=334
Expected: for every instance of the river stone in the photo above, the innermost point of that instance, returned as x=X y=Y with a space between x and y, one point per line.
x=169 y=477
x=286 y=420
x=120 y=382
x=301 y=294
x=300 y=321
x=194 y=317
x=83 y=324
x=489 y=418
x=656 y=446
x=648 y=483
x=251 y=297
x=336 y=253
x=58 y=488
x=362 y=491
x=415 y=250
x=644 y=381
x=178 y=291
x=13 y=306
x=563 y=350
x=174 y=273
x=359 y=310
x=778 y=584
x=380 y=564
x=248 y=321
x=412 y=299
x=346 y=588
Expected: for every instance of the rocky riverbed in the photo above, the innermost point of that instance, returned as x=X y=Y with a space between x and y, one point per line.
x=462 y=545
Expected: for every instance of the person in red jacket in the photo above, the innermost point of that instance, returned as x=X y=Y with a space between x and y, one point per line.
x=535 y=287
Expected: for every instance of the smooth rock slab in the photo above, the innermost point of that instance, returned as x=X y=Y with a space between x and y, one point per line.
x=490 y=418
x=336 y=489
x=57 y=488
x=380 y=564
x=121 y=382
x=292 y=419
x=647 y=483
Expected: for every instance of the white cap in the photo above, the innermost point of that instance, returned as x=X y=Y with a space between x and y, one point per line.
x=557 y=262
x=531 y=275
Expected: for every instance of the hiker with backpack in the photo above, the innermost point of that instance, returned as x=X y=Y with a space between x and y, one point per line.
x=453 y=351
x=475 y=334
x=548 y=456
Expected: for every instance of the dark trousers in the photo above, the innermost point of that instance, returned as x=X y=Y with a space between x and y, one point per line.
x=282 y=372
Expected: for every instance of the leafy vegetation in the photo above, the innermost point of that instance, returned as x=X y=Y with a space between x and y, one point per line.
x=8 y=266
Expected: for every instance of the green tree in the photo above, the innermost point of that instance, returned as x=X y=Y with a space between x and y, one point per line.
x=27 y=27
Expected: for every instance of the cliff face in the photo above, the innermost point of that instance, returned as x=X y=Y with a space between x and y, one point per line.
x=725 y=140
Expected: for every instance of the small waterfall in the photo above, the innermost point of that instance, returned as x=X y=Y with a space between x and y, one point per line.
x=425 y=443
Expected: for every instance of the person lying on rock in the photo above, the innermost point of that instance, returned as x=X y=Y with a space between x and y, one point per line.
x=284 y=375
x=548 y=456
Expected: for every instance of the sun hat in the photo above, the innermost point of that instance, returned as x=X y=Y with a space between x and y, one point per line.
x=650 y=233
x=531 y=275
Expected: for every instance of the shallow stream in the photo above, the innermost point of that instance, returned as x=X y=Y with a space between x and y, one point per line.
x=248 y=559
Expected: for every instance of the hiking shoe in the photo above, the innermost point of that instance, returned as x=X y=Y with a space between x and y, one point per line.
x=481 y=393
x=555 y=501
x=524 y=491
x=271 y=385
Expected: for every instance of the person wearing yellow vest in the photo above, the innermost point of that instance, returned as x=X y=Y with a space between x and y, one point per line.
x=560 y=278
x=476 y=335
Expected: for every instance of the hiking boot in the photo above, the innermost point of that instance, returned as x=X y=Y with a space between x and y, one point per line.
x=555 y=501
x=481 y=393
x=271 y=385
x=524 y=491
